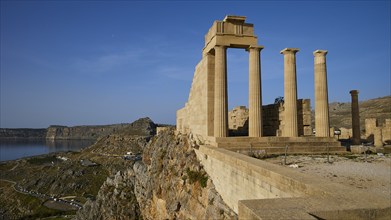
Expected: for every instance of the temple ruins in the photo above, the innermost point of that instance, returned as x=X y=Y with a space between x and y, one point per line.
x=272 y=118
x=206 y=115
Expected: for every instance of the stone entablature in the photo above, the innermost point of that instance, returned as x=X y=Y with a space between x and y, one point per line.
x=231 y=32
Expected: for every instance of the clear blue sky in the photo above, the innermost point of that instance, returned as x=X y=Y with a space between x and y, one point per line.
x=104 y=62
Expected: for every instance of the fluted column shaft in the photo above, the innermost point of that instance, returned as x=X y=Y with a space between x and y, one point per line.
x=322 y=124
x=290 y=92
x=255 y=93
x=355 y=118
x=220 y=100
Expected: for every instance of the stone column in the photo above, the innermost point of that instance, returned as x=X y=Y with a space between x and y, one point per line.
x=322 y=124
x=290 y=92
x=255 y=93
x=220 y=100
x=356 y=139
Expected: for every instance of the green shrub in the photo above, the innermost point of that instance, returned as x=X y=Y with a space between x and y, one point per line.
x=195 y=176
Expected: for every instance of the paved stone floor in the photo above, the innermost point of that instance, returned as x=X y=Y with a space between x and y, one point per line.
x=372 y=174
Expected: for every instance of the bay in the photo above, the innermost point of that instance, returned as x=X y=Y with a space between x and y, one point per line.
x=12 y=149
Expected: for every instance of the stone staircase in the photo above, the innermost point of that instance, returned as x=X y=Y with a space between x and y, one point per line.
x=277 y=145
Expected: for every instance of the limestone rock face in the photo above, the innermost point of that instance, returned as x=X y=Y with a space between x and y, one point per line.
x=115 y=200
x=169 y=183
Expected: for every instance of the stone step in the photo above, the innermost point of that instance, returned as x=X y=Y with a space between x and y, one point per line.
x=277 y=144
x=293 y=150
x=273 y=139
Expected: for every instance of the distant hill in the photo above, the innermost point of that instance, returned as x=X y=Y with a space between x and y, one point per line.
x=340 y=112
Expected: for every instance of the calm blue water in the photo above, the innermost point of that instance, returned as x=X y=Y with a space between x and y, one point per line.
x=15 y=149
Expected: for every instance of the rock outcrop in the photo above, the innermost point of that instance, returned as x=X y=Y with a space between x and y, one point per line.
x=169 y=183
x=115 y=200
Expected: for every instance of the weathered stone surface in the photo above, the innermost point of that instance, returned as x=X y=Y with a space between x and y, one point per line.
x=115 y=200
x=290 y=93
x=272 y=119
x=171 y=183
x=322 y=123
x=168 y=183
x=206 y=110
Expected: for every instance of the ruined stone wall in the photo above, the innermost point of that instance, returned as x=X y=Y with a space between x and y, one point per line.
x=370 y=126
x=377 y=134
x=386 y=131
x=304 y=117
x=273 y=119
x=346 y=133
x=196 y=116
x=238 y=121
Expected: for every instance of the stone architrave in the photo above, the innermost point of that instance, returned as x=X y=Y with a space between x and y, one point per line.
x=290 y=92
x=221 y=100
x=322 y=124
x=356 y=139
x=255 y=93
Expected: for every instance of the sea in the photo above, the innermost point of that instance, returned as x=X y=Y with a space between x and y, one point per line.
x=20 y=148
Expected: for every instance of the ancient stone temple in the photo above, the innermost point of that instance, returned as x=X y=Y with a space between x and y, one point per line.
x=205 y=114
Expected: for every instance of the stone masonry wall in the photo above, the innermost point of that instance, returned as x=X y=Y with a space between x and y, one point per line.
x=377 y=134
x=273 y=119
x=194 y=116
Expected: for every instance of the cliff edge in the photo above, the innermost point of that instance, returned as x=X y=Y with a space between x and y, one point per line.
x=168 y=183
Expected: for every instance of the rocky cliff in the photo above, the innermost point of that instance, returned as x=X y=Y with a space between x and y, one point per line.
x=81 y=132
x=168 y=183
x=143 y=127
x=22 y=133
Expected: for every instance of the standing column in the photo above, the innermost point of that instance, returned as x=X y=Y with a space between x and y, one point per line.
x=355 y=118
x=290 y=92
x=255 y=93
x=322 y=124
x=220 y=100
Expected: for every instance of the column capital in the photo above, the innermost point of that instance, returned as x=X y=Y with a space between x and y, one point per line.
x=289 y=50
x=320 y=52
x=256 y=47
x=223 y=46
x=354 y=92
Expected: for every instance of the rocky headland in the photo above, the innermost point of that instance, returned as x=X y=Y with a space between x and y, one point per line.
x=27 y=133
